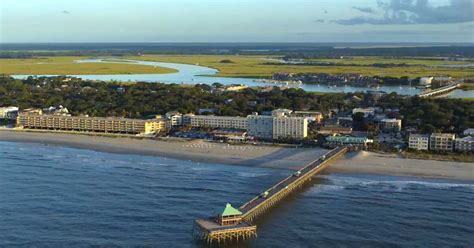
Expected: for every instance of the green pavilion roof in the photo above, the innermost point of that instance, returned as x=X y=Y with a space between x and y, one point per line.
x=229 y=210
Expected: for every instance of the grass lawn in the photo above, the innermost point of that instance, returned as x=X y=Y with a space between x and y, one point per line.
x=467 y=86
x=240 y=66
x=66 y=65
x=254 y=66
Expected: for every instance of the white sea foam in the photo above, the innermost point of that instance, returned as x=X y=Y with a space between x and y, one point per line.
x=53 y=156
x=250 y=174
x=316 y=189
x=82 y=156
x=410 y=183
x=201 y=168
x=399 y=184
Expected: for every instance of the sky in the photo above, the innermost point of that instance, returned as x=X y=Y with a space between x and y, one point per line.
x=236 y=21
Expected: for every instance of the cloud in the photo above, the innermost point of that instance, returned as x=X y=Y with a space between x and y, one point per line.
x=364 y=9
x=320 y=21
x=66 y=12
x=415 y=12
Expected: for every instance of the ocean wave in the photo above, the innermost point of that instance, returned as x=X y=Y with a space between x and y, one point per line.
x=54 y=157
x=250 y=174
x=319 y=188
x=427 y=184
x=202 y=168
x=397 y=184
x=82 y=156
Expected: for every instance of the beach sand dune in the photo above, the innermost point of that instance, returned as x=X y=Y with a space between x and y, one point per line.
x=391 y=164
x=248 y=155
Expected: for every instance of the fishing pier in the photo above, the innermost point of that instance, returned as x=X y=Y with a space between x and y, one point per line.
x=237 y=224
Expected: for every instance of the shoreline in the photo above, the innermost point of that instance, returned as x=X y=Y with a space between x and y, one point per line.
x=248 y=155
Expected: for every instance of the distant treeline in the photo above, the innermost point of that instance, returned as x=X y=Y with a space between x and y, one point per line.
x=291 y=50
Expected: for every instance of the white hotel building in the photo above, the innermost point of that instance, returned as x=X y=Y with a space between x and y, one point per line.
x=281 y=125
x=219 y=121
x=287 y=127
x=260 y=126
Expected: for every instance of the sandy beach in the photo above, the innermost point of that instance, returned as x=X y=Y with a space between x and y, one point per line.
x=248 y=155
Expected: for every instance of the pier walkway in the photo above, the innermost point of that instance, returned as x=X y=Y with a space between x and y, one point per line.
x=241 y=227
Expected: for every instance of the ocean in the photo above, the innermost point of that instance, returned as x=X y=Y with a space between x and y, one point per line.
x=52 y=196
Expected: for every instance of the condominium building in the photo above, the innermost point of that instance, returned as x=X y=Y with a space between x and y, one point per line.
x=219 y=121
x=442 y=141
x=311 y=115
x=465 y=144
x=290 y=128
x=174 y=119
x=260 y=126
x=89 y=124
x=390 y=125
x=187 y=119
x=9 y=113
x=155 y=126
x=419 y=142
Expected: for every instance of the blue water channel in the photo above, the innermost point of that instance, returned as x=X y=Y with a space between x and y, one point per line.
x=195 y=74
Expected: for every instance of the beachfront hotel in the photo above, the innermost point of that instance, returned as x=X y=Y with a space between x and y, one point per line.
x=287 y=127
x=89 y=124
x=260 y=126
x=282 y=124
x=212 y=121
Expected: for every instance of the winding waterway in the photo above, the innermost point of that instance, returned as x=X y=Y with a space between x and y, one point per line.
x=195 y=74
x=54 y=196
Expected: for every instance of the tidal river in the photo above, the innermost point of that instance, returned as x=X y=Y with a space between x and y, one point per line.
x=194 y=74
x=53 y=196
